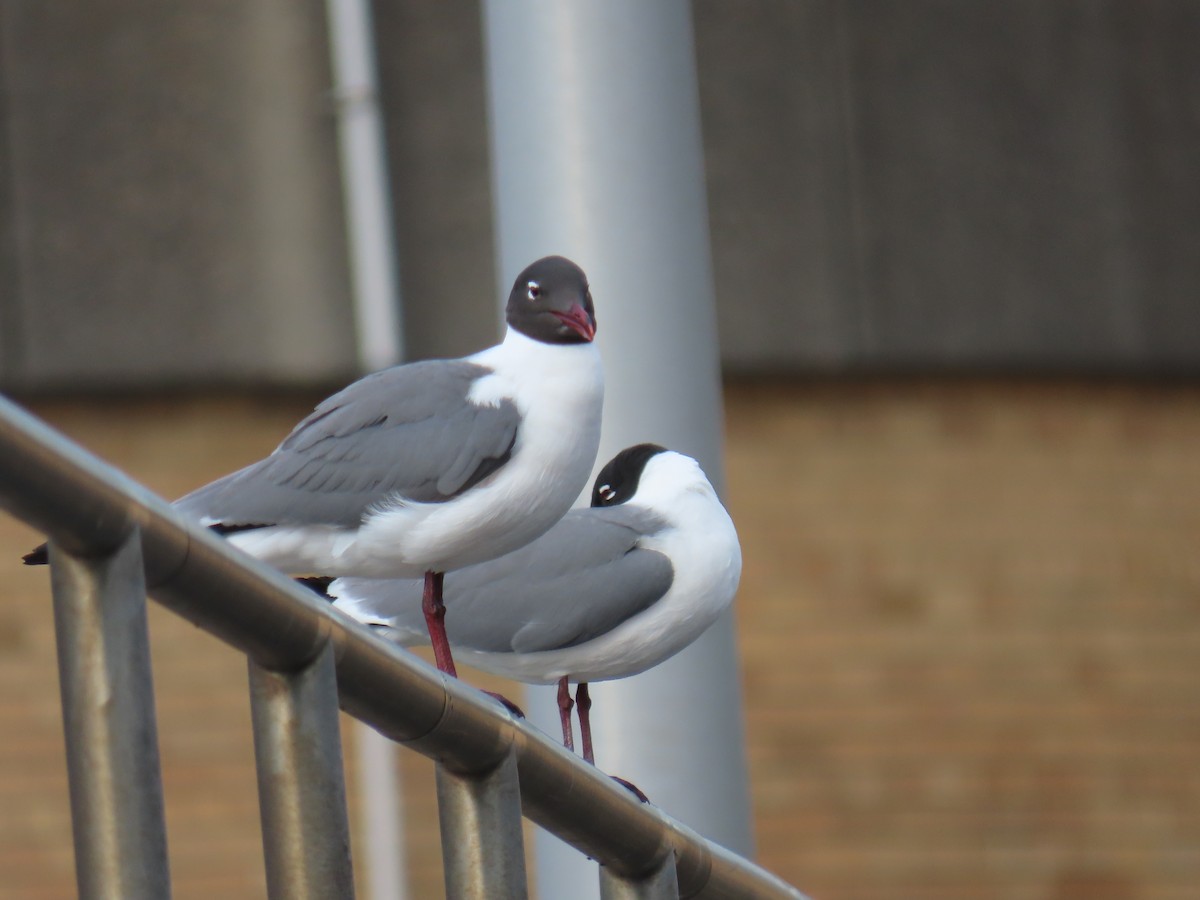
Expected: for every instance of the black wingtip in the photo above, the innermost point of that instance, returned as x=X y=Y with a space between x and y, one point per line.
x=318 y=584
x=223 y=528
x=38 y=556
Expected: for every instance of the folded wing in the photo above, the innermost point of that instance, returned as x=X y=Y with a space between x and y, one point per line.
x=408 y=434
x=582 y=579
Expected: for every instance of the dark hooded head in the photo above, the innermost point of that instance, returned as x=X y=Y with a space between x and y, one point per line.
x=618 y=480
x=550 y=302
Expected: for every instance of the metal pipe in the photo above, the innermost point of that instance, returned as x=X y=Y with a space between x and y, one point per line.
x=109 y=723
x=619 y=187
x=380 y=842
x=483 y=852
x=367 y=195
x=660 y=884
x=301 y=796
x=45 y=480
x=90 y=508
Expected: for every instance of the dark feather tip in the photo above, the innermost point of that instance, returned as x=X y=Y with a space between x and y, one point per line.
x=223 y=529
x=318 y=584
x=38 y=556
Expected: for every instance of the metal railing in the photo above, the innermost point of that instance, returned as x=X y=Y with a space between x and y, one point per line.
x=112 y=541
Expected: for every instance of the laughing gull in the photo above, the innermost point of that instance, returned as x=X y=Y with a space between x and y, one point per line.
x=434 y=465
x=608 y=592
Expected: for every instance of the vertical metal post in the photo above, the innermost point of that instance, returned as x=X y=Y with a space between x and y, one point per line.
x=109 y=724
x=661 y=884
x=597 y=154
x=302 y=795
x=483 y=850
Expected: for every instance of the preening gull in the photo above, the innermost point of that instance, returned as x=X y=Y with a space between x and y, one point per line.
x=608 y=592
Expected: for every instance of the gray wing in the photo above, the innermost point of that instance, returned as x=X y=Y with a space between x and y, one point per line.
x=580 y=580
x=408 y=432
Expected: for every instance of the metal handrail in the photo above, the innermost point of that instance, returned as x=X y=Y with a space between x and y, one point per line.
x=90 y=510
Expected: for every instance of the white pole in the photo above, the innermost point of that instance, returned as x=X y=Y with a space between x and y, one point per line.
x=596 y=154
x=371 y=245
x=365 y=185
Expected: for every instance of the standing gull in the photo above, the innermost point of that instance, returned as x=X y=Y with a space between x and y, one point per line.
x=608 y=592
x=434 y=465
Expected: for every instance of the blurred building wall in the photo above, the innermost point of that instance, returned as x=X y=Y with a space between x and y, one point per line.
x=947 y=185
x=170 y=209
x=969 y=610
x=894 y=186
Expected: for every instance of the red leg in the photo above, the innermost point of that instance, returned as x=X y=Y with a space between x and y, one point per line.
x=435 y=620
x=584 y=699
x=564 y=713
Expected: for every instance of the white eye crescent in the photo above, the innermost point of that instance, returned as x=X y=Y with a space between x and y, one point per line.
x=533 y=290
x=606 y=492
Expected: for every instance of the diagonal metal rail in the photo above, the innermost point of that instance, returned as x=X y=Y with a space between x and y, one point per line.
x=492 y=767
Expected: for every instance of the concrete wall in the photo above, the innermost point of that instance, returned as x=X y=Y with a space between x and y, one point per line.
x=928 y=185
x=949 y=185
x=170 y=210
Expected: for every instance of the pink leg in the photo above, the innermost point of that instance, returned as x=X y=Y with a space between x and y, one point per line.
x=584 y=699
x=435 y=620
x=564 y=713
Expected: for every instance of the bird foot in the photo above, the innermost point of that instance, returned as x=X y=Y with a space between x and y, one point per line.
x=631 y=787
x=507 y=704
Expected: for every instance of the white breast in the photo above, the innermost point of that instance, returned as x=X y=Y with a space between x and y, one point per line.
x=558 y=389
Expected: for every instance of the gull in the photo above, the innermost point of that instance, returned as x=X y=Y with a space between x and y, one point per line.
x=424 y=468
x=608 y=592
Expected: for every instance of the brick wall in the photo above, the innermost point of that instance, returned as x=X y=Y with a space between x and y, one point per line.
x=968 y=620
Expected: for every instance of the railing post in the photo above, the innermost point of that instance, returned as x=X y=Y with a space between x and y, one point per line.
x=661 y=884
x=301 y=788
x=108 y=721
x=483 y=851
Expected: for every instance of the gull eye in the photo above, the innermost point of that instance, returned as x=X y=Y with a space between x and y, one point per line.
x=533 y=290
x=606 y=492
